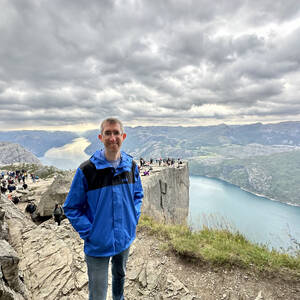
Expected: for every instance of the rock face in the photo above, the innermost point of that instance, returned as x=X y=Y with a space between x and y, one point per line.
x=11 y=285
x=48 y=258
x=166 y=194
x=13 y=153
x=56 y=193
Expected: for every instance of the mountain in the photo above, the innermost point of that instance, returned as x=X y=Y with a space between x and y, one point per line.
x=13 y=153
x=274 y=175
x=262 y=158
x=165 y=141
x=186 y=142
x=38 y=141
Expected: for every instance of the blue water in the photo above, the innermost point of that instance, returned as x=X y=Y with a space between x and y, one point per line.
x=217 y=204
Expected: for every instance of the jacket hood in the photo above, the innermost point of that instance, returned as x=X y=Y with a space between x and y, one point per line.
x=100 y=162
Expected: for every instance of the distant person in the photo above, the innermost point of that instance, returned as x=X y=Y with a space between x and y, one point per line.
x=3 y=189
x=33 y=178
x=159 y=162
x=58 y=213
x=104 y=206
x=11 y=187
x=15 y=199
x=30 y=208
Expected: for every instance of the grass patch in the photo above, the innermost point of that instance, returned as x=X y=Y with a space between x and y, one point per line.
x=221 y=247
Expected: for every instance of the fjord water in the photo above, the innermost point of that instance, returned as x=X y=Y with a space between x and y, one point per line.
x=215 y=203
x=67 y=157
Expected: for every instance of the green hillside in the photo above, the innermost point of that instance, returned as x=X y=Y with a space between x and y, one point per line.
x=276 y=175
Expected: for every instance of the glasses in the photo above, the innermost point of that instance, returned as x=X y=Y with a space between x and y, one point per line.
x=110 y=133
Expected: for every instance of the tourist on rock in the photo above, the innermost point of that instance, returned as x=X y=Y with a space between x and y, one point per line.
x=58 y=213
x=3 y=189
x=104 y=206
x=159 y=162
x=30 y=208
x=11 y=187
x=15 y=199
x=33 y=178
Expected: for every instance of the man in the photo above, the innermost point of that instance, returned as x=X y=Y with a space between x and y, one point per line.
x=104 y=206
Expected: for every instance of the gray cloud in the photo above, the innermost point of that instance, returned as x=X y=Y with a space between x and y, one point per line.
x=148 y=62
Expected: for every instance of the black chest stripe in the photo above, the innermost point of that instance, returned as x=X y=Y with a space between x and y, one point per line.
x=105 y=177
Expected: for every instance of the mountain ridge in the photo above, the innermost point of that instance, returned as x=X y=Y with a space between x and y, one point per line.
x=223 y=151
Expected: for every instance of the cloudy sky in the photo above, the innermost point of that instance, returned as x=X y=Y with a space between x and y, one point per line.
x=67 y=64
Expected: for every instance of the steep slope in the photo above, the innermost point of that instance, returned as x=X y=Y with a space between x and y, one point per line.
x=13 y=153
x=275 y=175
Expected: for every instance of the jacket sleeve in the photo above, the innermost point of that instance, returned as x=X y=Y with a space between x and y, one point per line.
x=138 y=192
x=76 y=204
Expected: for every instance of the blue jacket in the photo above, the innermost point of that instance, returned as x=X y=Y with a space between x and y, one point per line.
x=104 y=204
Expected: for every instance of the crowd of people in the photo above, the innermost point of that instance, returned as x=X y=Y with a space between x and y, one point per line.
x=145 y=167
x=12 y=181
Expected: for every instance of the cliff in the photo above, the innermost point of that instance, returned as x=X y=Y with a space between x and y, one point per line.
x=166 y=194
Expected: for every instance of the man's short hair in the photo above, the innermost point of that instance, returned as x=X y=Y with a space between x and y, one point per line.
x=111 y=121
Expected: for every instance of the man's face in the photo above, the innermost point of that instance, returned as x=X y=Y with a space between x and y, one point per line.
x=112 y=137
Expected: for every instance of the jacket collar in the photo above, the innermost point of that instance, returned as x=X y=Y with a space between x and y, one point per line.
x=100 y=162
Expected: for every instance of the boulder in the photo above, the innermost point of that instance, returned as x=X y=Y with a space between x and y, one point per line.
x=56 y=193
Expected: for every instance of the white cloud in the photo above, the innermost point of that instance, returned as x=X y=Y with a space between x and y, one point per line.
x=69 y=63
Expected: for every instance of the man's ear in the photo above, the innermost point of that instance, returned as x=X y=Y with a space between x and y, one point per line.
x=100 y=137
x=124 y=136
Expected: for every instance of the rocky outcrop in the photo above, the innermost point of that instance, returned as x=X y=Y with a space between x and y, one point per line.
x=11 y=279
x=56 y=193
x=166 y=194
x=13 y=153
x=48 y=258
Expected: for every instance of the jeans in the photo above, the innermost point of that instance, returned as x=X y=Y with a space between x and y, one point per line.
x=98 y=275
